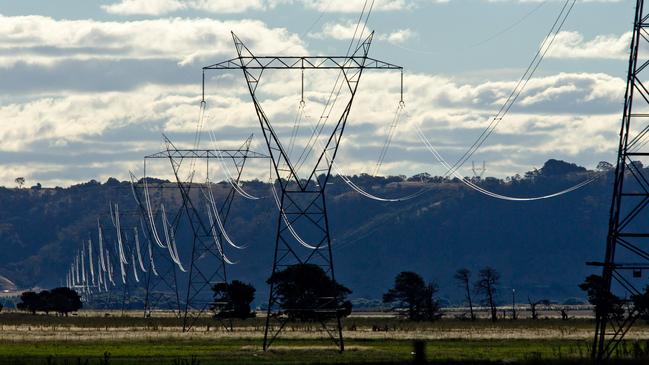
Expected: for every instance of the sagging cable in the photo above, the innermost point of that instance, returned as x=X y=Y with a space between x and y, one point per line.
x=364 y=193
x=171 y=240
x=212 y=201
x=296 y=124
x=289 y=225
x=120 y=243
x=122 y=268
x=100 y=281
x=111 y=269
x=479 y=189
x=137 y=279
x=90 y=262
x=228 y=175
x=101 y=247
x=83 y=262
x=217 y=243
x=137 y=249
x=154 y=230
x=388 y=139
x=153 y=270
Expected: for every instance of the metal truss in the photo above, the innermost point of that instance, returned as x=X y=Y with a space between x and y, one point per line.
x=302 y=202
x=627 y=249
x=164 y=285
x=207 y=265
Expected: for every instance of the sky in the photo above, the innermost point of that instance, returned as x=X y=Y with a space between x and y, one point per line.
x=89 y=87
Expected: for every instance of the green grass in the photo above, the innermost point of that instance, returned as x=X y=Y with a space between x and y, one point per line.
x=294 y=351
x=208 y=350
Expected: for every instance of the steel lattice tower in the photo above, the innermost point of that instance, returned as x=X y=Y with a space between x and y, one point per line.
x=165 y=283
x=302 y=197
x=207 y=266
x=627 y=252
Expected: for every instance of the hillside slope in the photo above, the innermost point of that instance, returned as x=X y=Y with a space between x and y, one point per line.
x=539 y=247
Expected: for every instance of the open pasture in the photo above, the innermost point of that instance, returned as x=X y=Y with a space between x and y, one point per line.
x=94 y=338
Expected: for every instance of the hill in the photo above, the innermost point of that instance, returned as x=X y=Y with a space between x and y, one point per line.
x=539 y=247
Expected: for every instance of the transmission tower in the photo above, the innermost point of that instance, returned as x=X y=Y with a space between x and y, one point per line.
x=478 y=172
x=208 y=257
x=161 y=279
x=301 y=200
x=626 y=245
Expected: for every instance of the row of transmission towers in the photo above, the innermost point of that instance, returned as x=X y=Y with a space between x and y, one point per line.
x=301 y=199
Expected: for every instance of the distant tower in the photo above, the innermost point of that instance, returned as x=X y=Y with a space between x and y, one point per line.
x=478 y=172
x=627 y=249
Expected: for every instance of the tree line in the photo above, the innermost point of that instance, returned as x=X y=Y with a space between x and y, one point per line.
x=305 y=292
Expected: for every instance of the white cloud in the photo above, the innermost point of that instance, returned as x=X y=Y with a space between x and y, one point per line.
x=398 y=36
x=573 y=45
x=347 y=30
x=44 y=40
x=346 y=6
x=160 y=7
x=562 y=115
x=145 y=7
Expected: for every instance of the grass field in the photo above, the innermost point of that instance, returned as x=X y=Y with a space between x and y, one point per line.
x=94 y=339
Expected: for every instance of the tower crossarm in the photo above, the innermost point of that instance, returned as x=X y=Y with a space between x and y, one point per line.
x=302 y=62
x=206 y=154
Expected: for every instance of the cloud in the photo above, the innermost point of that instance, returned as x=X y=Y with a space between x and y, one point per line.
x=573 y=45
x=347 y=30
x=397 y=37
x=345 y=6
x=46 y=41
x=160 y=7
x=569 y=115
x=145 y=7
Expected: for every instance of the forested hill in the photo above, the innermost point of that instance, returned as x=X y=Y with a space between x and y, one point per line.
x=540 y=247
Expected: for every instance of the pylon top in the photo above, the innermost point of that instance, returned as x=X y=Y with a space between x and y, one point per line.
x=247 y=60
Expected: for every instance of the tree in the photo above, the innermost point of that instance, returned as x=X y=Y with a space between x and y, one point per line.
x=30 y=302
x=412 y=293
x=487 y=286
x=232 y=300
x=45 y=302
x=1 y=307
x=20 y=181
x=64 y=300
x=534 y=304
x=306 y=293
x=605 y=302
x=605 y=166
x=463 y=278
x=60 y=300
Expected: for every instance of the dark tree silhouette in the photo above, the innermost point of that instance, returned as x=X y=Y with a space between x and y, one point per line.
x=45 y=302
x=1 y=307
x=306 y=293
x=232 y=300
x=463 y=278
x=604 y=301
x=410 y=292
x=29 y=302
x=64 y=300
x=59 y=300
x=534 y=304
x=20 y=181
x=487 y=286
